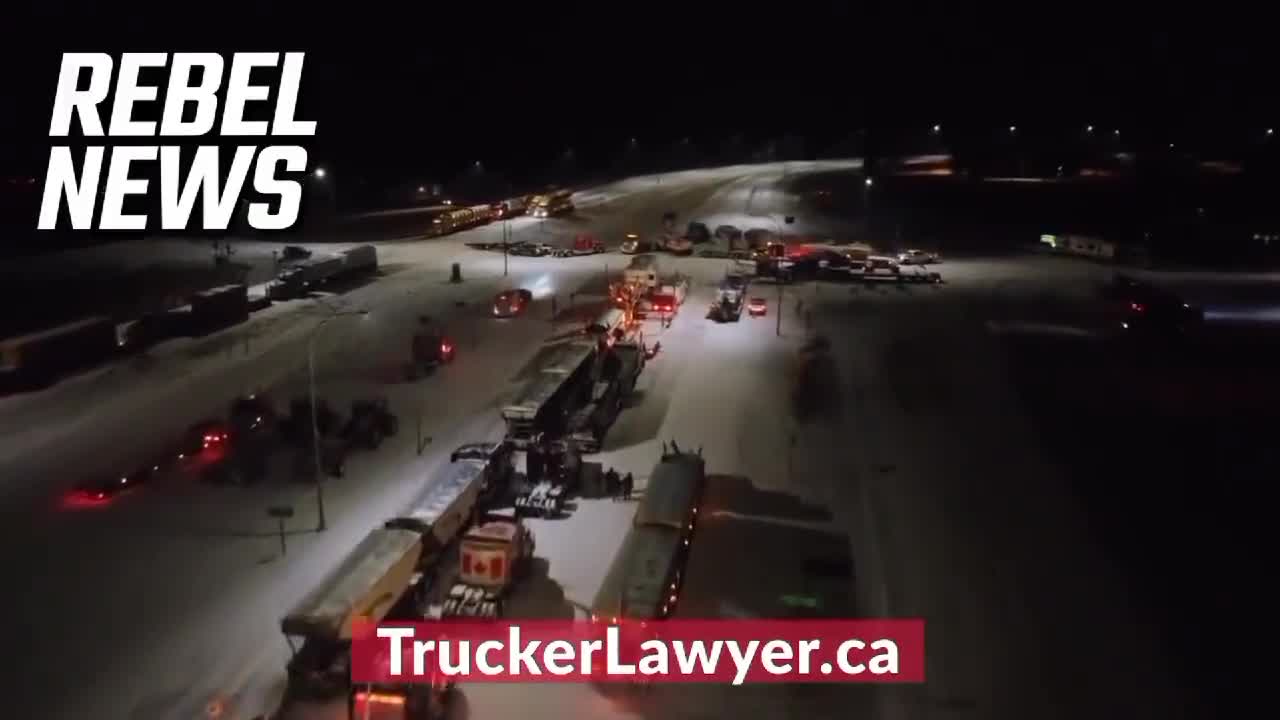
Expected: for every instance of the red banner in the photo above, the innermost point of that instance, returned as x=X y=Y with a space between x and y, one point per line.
x=718 y=651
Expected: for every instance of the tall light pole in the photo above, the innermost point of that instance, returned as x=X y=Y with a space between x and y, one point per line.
x=321 y=525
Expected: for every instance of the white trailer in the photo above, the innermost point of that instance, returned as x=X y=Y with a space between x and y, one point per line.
x=643 y=271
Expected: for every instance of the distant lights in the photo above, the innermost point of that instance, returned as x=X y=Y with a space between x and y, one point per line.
x=1089 y=129
x=937 y=129
x=1013 y=129
x=1116 y=132
x=867 y=182
x=320 y=173
x=1271 y=131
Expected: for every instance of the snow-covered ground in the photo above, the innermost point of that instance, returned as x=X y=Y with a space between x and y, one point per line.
x=181 y=585
x=925 y=494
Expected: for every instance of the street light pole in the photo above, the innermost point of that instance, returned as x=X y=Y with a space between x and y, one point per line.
x=506 y=235
x=321 y=524
x=315 y=428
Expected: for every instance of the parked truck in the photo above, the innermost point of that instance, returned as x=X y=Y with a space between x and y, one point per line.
x=361 y=260
x=40 y=358
x=643 y=271
x=620 y=367
x=492 y=557
x=730 y=296
x=305 y=277
x=219 y=307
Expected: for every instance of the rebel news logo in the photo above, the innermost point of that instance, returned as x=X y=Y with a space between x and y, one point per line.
x=206 y=98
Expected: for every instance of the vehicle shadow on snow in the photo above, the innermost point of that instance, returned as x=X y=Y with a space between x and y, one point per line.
x=538 y=596
x=756 y=553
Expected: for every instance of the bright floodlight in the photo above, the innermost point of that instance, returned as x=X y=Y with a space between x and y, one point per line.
x=1089 y=129
x=868 y=182
x=1271 y=131
x=937 y=128
x=1115 y=132
x=1013 y=128
x=421 y=189
x=320 y=172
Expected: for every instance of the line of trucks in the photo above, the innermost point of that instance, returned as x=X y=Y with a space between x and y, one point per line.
x=38 y=359
x=452 y=554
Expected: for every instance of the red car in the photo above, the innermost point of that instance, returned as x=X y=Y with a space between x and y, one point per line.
x=757 y=307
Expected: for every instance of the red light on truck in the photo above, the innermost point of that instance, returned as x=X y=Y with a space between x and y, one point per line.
x=1137 y=307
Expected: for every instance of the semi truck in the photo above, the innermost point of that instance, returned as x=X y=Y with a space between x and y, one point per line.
x=729 y=299
x=621 y=367
x=39 y=358
x=543 y=407
x=367 y=585
x=643 y=271
x=305 y=277
x=219 y=307
x=646 y=575
x=492 y=557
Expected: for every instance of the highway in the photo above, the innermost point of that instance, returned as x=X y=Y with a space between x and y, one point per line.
x=925 y=493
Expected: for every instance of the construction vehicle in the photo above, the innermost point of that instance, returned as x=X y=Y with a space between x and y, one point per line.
x=492 y=557
x=429 y=349
x=370 y=422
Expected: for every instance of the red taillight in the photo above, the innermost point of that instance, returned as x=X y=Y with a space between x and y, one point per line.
x=1137 y=307
x=446 y=348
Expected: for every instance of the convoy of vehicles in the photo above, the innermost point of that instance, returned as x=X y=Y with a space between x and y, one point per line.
x=644 y=580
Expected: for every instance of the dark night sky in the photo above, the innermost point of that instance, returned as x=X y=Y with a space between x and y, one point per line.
x=514 y=86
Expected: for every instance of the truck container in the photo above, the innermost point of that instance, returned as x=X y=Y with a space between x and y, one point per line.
x=307 y=276
x=359 y=260
x=40 y=358
x=219 y=307
x=445 y=507
x=365 y=586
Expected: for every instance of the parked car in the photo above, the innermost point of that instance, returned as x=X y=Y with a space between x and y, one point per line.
x=758 y=307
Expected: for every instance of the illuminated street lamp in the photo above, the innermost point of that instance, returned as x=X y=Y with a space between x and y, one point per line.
x=320 y=173
x=868 y=182
x=1271 y=131
x=937 y=129
x=1089 y=129
x=1013 y=129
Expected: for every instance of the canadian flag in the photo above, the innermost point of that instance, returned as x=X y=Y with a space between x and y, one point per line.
x=484 y=565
